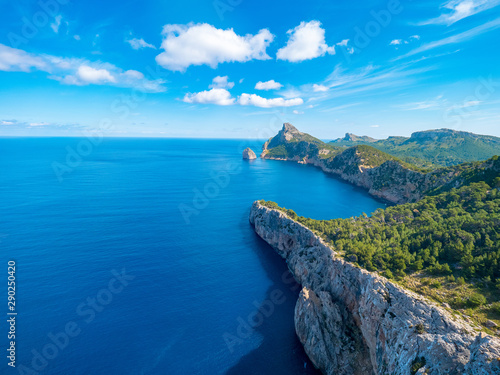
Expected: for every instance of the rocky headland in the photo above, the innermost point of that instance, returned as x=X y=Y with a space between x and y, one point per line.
x=352 y=321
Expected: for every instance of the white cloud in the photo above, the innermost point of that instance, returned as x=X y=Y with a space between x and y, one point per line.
x=398 y=42
x=455 y=10
x=340 y=108
x=268 y=85
x=73 y=71
x=429 y=105
x=457 y=38
x=213 y=96
x=203 y=44
x=295 y=112
x=305 y=42
x=258 y=101
x=139 y=43
x=221 y=83
x=345 y=43
x=471 y=103
x=374 y=126
x=353 y=84
x=57 y=22
x=219 y=95
x=319 y=88
x=10 y=122
x=16 y=60
x=88 y=74
x=39 y=124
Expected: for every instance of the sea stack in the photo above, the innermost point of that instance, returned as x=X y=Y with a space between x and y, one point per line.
x=249 y=154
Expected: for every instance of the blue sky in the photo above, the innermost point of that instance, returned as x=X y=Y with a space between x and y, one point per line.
x=240 y=68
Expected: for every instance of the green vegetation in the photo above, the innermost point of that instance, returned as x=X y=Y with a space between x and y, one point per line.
x=417 y=364
x=278 y=152
x=420 y=328
x=292 y=144
x=446 y=246
x=496 y=307
x=469 y=173
x=374 y=158
x=451 y=233
x=302 y=149
x=304 y=137
x=476 y=300
x=432 y=148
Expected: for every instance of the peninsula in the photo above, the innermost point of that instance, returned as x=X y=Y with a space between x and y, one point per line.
x=412 y=289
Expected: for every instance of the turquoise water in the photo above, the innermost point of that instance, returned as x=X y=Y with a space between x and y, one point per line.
x=173 y=214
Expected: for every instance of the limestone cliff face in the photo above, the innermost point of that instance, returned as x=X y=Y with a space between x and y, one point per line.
x=351 y=321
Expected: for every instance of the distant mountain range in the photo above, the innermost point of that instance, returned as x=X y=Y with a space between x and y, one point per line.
x=431 y=148
x=385 y=174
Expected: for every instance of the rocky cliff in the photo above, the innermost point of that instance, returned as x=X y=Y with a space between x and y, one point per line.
x=351 y=321
x=249 y=154
x=383 y=175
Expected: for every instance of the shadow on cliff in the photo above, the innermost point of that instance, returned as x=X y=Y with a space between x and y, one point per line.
x=280 y=351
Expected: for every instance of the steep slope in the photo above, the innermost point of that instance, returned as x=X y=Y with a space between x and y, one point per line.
x=441 y=147
x=291 y=144
x=351 y=321
x=488 y=172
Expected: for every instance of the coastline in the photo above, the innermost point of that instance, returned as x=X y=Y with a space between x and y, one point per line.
x=346 y=314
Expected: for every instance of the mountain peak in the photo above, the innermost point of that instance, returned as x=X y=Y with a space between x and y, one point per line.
x=287 y=127
x=349 y=137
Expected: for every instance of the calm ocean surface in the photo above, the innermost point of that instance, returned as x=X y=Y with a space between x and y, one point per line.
x=196 y=268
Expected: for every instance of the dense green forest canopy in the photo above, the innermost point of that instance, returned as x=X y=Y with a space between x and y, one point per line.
x=456 y=232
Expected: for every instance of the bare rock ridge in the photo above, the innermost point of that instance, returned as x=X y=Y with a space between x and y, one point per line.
x=349 y=137
x=249 y=154
x=286 y=134
x=351 y=321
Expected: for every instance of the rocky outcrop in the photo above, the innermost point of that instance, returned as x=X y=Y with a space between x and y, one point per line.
x=249 y=154
x=351 y=321
x=353 y=138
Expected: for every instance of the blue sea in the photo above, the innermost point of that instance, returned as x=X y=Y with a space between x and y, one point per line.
x=136 y=257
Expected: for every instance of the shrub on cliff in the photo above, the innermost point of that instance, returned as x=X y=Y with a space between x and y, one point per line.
x=476 y=300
